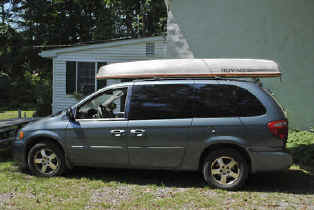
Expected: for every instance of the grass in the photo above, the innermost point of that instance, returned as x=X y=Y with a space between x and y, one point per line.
x=14 y=114
x=132 y=189
x=90 y=188
x=301 y=146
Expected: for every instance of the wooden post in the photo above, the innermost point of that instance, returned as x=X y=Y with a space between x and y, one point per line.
x=19 y=114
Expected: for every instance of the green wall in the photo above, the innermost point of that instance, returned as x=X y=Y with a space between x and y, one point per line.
x=281 y=30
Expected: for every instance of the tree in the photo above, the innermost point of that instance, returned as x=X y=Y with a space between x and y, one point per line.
x=139 y=18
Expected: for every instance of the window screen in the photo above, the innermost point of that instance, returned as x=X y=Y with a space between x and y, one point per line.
x=161 y=101
x=70 y=77
x=86 y=78
x=150 y=48
x=226 y=101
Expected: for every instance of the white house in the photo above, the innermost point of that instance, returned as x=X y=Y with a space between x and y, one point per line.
x=75 y=68
x=280 y=30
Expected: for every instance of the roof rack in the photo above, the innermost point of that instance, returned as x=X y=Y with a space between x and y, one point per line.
x=254 y=80
x=179 y=78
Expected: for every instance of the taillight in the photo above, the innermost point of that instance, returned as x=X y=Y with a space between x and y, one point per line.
x=279 y=129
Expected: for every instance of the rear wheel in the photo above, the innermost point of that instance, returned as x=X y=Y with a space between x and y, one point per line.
x=46 y=159
x=225 y=169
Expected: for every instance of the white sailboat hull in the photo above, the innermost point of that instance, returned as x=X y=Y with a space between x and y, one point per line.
x=190 y=68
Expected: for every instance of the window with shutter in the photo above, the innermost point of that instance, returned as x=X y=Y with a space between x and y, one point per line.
x=70 y=77
x=85 y=78
x=80 y=77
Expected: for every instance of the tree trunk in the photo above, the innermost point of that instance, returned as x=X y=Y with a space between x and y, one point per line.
x=3 y=14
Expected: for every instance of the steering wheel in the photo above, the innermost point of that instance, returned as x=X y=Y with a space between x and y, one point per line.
x=90 y=114
x=102 y=112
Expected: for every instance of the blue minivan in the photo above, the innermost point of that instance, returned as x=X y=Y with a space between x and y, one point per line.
x=224 y=128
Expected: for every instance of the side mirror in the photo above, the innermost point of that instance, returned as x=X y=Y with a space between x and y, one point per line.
x=70 y=114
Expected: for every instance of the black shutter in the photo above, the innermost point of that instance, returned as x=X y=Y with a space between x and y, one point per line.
x=70 y=77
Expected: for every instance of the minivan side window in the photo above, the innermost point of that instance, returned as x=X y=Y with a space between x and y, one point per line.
x=226 y=101
x=161 y=101
x=107 y=105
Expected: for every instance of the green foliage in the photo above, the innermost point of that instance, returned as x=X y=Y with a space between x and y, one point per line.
x=4 y=83
x=42 y=89
x=29 y=92
x=301 y=146
x=139 y=17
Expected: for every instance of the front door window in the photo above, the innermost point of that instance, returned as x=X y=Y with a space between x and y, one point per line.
x=110 y=104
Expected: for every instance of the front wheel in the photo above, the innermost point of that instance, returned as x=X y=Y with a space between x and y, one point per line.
x=46 y=159
x=225 y=169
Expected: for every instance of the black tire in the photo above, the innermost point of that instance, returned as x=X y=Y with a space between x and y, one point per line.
x=46 y=159
x=225 y=169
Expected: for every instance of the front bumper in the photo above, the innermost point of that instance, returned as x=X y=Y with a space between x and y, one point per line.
x=270 y=161
x=5 y=144
x=19 y=156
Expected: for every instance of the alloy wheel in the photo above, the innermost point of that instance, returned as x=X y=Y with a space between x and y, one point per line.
x=46 y=161
x=225 y=170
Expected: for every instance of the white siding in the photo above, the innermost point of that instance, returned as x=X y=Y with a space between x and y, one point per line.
x=60 y=100
x=121 y=53
x=118 y=53
x=112 y=81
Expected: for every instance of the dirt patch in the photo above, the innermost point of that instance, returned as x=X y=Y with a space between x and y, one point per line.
x=110 y=196
x=208 y=193
x=113 y=197
x=164 y=192
x=5 y=197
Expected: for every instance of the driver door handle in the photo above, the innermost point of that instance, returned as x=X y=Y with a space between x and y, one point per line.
x=137 y=132
x=117 y=132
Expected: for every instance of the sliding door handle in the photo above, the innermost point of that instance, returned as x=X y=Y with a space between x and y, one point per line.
x=137 y=132
x=117 y=132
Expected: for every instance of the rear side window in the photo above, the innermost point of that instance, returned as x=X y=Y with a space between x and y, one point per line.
x=226 y=101
x=162 y=101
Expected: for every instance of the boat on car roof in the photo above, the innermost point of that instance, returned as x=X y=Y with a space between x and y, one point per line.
x=191 y=68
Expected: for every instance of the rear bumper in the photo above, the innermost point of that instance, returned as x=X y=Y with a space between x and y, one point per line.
x=18 y=149
x=270 y=161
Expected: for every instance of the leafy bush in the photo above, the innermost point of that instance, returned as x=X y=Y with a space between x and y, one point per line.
x=43 y=110
x=301 y=146
x=43 y=91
